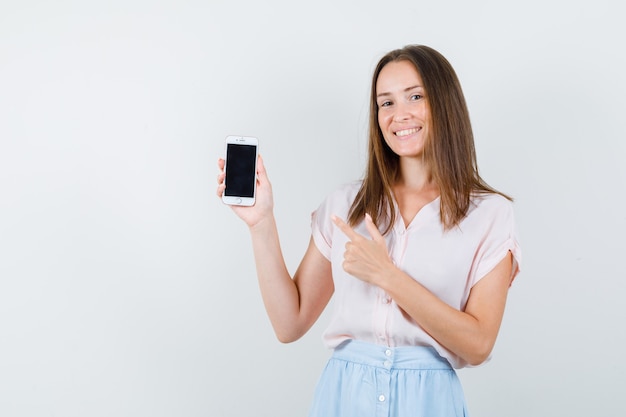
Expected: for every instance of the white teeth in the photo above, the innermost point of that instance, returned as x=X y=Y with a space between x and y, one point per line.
x=407 y=132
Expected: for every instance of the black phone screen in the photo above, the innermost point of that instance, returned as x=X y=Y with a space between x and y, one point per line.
x=240 y=170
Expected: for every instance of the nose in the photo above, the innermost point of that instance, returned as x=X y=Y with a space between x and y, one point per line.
x=402 y=112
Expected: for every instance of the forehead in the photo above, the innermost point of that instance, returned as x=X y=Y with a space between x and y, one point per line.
x=397 y=75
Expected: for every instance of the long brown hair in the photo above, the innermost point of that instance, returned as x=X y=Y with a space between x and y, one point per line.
x=449 y=150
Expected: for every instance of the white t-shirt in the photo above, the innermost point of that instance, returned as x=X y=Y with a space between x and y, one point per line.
x=448 y=263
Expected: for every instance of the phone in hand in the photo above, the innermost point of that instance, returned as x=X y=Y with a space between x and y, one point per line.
x=240 y=169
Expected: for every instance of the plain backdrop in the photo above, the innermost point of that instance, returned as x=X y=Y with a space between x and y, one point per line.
x=128 y=289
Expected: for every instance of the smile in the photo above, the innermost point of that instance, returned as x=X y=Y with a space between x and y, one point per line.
x=407 y=132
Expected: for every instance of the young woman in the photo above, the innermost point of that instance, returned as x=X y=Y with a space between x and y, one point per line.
x=419 y=255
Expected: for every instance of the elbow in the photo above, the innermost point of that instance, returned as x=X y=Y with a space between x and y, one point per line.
x=479 y=354
x=287 y=337
x=289 y=331
x=477 y=359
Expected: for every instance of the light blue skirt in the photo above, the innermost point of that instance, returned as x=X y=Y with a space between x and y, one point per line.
x=367 y=380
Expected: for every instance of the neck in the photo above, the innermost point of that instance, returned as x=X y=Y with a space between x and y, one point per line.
x=414 y=174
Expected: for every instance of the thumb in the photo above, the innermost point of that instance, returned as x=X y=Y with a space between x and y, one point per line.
x=260 y=169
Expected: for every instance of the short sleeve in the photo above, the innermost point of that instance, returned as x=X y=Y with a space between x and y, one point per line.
x=321 y=228
x=499 y=237
x=336 y=203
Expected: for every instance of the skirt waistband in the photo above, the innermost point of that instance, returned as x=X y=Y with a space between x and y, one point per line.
x=402 y=357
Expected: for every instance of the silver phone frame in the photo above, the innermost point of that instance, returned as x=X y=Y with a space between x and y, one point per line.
x=240 y=140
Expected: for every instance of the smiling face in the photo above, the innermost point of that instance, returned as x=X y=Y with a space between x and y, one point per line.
x=403 y=111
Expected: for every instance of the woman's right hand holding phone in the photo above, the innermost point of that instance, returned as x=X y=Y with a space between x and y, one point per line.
x=264 y=205
x=293 y=303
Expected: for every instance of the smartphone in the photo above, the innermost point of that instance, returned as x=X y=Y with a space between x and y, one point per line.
x=240 y=169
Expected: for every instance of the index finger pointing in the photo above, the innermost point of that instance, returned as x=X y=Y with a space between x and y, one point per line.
x=345 y=228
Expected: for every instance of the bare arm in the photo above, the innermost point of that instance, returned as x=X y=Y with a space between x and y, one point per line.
x=470 y=334
x=292 y=304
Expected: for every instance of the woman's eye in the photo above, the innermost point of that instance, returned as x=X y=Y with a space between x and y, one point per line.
x=415 y=97
x=385 y=104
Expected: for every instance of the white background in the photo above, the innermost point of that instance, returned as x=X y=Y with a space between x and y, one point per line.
x=128 y=289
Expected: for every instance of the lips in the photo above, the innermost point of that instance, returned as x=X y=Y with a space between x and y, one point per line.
x=406 y=132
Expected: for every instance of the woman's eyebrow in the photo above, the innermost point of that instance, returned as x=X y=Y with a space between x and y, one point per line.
x=405 y=90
